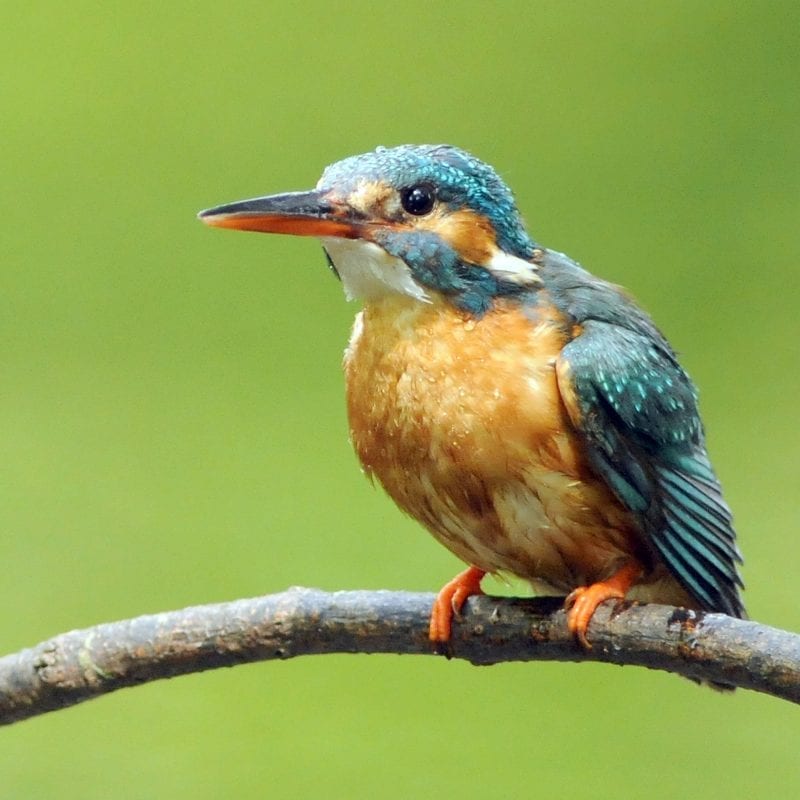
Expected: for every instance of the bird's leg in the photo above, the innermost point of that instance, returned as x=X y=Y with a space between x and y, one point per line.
x=449 y=601
x=582 y=602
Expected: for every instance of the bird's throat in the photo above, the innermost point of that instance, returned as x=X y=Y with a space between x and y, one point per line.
x=368 y=272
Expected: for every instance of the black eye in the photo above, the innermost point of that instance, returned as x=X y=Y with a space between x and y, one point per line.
x=418 y=200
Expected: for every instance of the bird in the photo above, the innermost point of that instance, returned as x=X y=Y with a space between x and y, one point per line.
x=530 y=415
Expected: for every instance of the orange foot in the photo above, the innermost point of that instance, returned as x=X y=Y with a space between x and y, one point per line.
x=582 y=602
x=449 y=601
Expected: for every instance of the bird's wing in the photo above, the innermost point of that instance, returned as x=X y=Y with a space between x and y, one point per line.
x=637 y=411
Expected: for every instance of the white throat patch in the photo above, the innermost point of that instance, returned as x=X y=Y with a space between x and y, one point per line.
x=368 y=272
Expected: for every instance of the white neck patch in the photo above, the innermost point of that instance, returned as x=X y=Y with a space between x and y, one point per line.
x=512 y=268
x=368 y=272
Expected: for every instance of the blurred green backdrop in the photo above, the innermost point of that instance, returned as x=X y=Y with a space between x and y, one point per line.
x=173 y=427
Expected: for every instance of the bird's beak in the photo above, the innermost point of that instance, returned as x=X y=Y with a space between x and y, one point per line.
x=299 y=213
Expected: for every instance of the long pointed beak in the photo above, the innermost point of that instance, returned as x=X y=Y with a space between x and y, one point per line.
x=298 y=213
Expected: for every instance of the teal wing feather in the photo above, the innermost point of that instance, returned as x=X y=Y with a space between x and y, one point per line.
x=637 y=411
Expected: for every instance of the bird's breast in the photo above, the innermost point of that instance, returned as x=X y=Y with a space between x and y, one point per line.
x=428 y=382
x=461 y=421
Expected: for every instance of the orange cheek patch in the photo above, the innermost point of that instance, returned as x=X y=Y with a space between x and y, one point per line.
x=468 y=233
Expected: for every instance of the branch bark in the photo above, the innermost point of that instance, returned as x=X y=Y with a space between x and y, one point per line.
x=83 y=664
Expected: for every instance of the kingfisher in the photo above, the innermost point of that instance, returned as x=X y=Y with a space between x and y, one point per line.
x=530 y=415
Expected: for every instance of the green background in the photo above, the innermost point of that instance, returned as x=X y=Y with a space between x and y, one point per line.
x=171 y=411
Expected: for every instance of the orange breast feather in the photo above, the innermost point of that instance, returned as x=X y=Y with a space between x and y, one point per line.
x=462 y=423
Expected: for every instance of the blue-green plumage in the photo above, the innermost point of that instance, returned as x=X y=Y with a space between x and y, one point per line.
x=639 y=416
x=437 y=265
x=460 y=179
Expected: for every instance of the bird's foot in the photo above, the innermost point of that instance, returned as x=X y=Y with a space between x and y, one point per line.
x=582 y=602
x=450 y=600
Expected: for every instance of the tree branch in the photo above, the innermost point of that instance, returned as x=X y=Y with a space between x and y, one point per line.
x=83 y=664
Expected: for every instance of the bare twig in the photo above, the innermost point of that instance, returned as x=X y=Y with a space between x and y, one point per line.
x=79 y=665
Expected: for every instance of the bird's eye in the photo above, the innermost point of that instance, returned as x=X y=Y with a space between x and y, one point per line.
x=418 y=200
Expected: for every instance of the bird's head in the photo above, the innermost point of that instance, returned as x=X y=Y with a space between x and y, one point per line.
x=423 y=221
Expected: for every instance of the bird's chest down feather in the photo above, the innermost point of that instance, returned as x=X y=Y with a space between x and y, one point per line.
x=461 y=421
